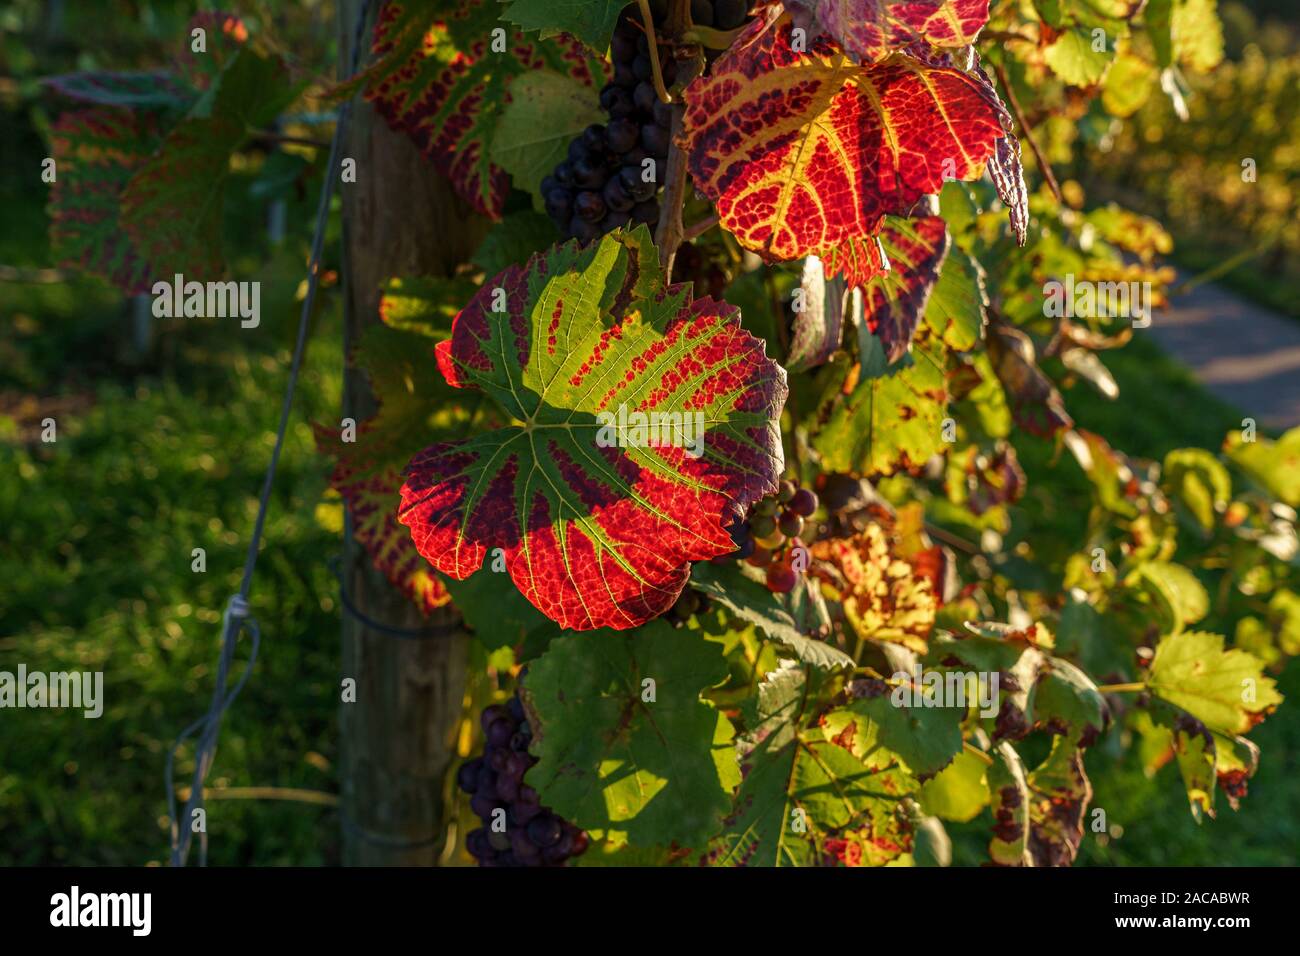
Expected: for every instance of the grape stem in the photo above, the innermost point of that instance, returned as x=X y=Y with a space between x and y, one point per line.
x=1131 y=688
x=670 y=234
x=1029 y=133
x=648 y=24
x=697 y=229
x=975 y=752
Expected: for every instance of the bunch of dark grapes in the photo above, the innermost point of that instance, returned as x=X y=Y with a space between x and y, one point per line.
x=606 y=181
x=771 y=533
x=532 y=834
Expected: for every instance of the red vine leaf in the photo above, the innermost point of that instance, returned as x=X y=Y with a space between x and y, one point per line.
x=869 y=30
x=597 y=523
x=808 y=152
x=896 y=300
x=96 y=151
x=438 y=79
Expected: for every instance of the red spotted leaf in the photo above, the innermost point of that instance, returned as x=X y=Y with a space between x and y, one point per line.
x=869 y=30
x=439 y=78
x=172 y=207
x=896 y=300
x=643 y=422
x=806 y=153
x=95 y=152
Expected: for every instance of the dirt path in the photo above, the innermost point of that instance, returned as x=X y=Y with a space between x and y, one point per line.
x=1242 y=352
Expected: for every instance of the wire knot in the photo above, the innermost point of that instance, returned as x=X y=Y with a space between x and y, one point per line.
x=237 y=607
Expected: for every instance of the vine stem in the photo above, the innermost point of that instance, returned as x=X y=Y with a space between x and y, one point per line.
x=696 y=229
x=1130 y=688
x=648 y=24
x=1029 y=133
x=671 y=234
x=974 y=751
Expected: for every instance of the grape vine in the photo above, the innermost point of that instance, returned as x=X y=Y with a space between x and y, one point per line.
x=753 y=501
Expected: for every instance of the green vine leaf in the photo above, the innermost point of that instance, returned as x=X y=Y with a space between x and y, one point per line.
x=801 y=790
x=885 y=424
x=591 y=21
x=754 y=603
x=1224 y=689
x=546 y=111
x=625 y=744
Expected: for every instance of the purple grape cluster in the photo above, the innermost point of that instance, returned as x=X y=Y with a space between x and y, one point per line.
x=606 y=180
x=533 y=835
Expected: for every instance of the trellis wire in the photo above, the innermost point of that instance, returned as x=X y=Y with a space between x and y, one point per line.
x=236 y=617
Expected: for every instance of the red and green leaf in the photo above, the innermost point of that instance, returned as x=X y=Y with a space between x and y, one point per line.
x=414 y=403
x=597 y=524
x=95 y=152
x=896 y=299
x=806 y=153
x=869 y=30
x=438 y=79
x=172 y=207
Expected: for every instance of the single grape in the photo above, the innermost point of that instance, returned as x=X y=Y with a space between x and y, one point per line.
x=589 y=173
x=545 y=830
x=761 y=556
x=622 y=134
x=635 y=185
x=583 y=230
x=641 y=66
x=467 y=775
x=496 y=758
x=762 y=526
x=589 y=206
x=482 y=806
x=491 y=713
x=804 y=502
x=516 y=708
x=702 y=13
x=644 y=98
x=618 y=103
x=785 y=491
x=498 y=734
x=623 y=74
x=781 y=578
x=655 y=138
x=507 y=788
x=746 y=549
x=771 y=541
x=564 y=174
x=616 y=197
x=767 y=506
x=791 y=524
x=663 y=114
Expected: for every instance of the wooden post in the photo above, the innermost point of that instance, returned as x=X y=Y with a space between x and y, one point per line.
x=400 y=218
